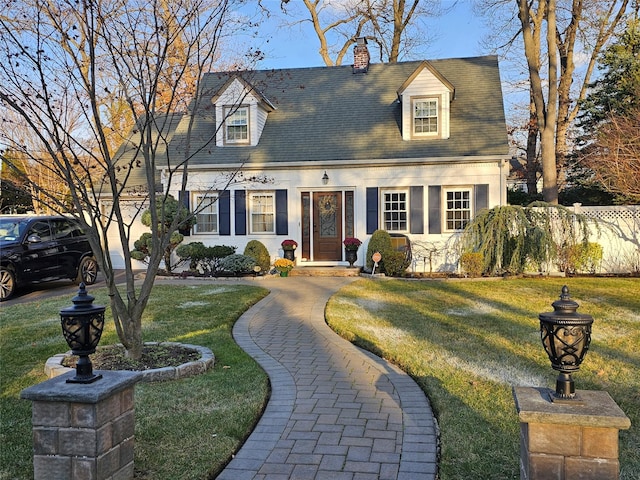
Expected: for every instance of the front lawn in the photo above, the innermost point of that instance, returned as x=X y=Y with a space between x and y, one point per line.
x=467 y=343
x=186 y=429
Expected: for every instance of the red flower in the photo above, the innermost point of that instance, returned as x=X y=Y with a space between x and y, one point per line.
x=289 y=244
x=352 y=243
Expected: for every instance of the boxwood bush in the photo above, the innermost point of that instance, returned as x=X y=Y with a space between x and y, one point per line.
x=380 y=242
x=260 y=254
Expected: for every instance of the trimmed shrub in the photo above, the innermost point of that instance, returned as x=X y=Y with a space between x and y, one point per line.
x=192 y=252
x=380 y=242
x=260 y=254
x=472 y=263
x=142 y=249
x=203 y=258
x=238 y=264
x=582 y=258
x=395 y=263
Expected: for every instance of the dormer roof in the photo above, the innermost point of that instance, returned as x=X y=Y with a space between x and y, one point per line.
x=249 y=89
x=425 y=65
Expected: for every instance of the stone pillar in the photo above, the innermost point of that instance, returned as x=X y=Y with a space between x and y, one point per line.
x=83 y=431
x=560 y=441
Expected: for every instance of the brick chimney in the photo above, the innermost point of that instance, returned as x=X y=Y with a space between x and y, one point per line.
x=361 y=56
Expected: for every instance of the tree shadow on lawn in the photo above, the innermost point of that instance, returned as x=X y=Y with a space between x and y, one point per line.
x=479 y=339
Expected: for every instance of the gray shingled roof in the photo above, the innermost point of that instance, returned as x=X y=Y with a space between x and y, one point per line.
x=329 y=114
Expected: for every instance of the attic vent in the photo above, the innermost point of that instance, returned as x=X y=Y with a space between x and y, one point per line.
x=361 y=56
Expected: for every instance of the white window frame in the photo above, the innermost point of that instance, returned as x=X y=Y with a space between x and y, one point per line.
x=207 y=205
x=457 y=207
x=237 y=117
x=390 y=223
x=437 y=116
x=259 y=208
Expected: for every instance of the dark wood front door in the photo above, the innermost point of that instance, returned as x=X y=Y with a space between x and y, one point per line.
x=327 y=226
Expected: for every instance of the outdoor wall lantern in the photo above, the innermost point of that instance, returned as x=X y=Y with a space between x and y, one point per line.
x=325 y=178
x=566 y=336
x=82 y=326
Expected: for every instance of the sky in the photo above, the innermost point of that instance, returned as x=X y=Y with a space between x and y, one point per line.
x=456 y=34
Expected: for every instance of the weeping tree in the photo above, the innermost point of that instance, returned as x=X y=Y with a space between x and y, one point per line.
x=512 y=237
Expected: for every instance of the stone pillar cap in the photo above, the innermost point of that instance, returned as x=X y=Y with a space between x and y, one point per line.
x=598 y=409
x=58 y=390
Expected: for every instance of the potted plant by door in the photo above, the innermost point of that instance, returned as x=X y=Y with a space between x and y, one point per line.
x=289 y=246
x=283 y=266
x=351 y=245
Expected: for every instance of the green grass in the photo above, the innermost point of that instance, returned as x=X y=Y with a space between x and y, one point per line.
x=468 y=343
x=185 y=429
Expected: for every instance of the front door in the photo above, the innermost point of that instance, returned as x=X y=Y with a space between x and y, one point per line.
x=327 y=226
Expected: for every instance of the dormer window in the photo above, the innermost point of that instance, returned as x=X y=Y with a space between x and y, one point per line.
x=241 y=113
x=425 y=99
x=237 y=125
x=425 y=116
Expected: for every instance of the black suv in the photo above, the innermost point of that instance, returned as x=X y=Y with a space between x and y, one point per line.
x=36 y=249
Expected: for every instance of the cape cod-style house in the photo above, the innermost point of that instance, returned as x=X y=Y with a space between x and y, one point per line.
x=415 y=148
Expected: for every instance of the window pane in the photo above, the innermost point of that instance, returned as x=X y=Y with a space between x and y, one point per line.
x=349 y=220
x=65 y=229
x=262 y=213
x=42 y=230
x=238 y=125
x=207 y=218
x=458 y=211
x=425 y=117
x=395 y=211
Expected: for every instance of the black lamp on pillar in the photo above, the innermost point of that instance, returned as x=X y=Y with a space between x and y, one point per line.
x=82 y=326
x=566 y=336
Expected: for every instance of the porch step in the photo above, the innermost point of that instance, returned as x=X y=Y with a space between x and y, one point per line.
x=337 y=271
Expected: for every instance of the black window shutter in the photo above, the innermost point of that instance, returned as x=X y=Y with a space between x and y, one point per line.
x=224 y=209
x=282 y=220
x=482 y=196
x=416 y=206
x=372 y=209
x=435 y=222
x=241 y=212
x=183 y=199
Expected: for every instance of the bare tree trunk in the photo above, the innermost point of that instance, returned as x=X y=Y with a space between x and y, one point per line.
x=548 y=134
x=144 y=56
x=609 y=15
x=533 y=164
x=389 y=23
x=546 y=112
x=589 y=24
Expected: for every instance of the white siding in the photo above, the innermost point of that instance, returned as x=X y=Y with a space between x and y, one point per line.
x=356 y=179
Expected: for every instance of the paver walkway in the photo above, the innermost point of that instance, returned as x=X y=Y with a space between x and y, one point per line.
x=335 y=412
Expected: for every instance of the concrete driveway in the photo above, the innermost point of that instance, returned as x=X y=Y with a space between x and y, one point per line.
x=42 y=291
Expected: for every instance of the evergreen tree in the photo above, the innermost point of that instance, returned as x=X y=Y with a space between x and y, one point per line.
x=617 y=92
x=609 y=153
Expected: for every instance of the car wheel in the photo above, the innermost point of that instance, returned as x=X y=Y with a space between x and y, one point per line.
x=87 y=271
x=7 y=284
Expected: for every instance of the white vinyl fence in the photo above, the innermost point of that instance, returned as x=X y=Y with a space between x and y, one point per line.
x=619 y=235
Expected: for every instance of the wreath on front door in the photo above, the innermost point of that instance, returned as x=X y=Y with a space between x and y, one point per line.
x=327 y=205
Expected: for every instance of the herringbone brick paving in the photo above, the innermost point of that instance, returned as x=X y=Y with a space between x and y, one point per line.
x=335 y=411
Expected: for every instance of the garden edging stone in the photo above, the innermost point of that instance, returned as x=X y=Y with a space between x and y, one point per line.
x=53 y=367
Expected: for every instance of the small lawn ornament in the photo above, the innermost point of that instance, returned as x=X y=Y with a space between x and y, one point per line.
x=376 y=257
